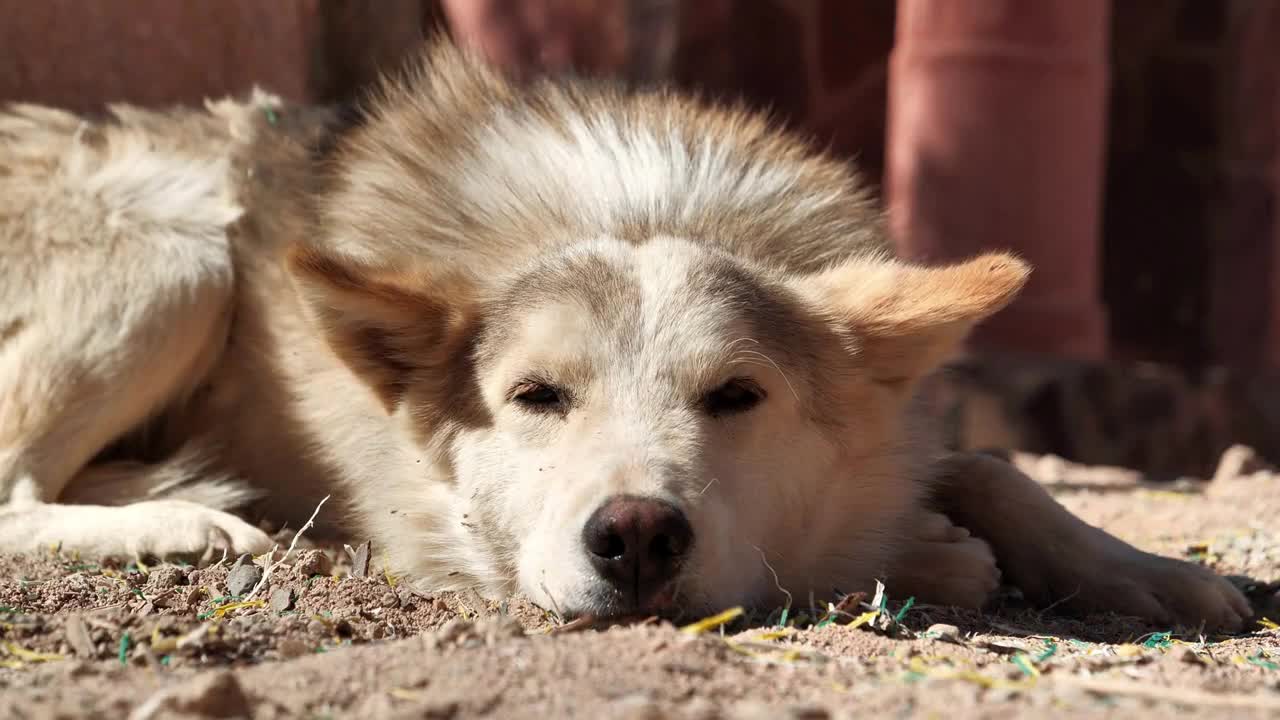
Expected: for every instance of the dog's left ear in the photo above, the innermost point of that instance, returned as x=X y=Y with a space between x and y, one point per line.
x=389 y=325
x=906 y=320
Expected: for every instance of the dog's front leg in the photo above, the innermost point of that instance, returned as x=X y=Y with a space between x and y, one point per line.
x=1055 y=558
x=158 y=528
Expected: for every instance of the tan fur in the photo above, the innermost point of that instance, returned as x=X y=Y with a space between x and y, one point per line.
x=231 y=316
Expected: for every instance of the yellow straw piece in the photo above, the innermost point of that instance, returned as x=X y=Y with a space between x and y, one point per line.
x=712 y=622
x=29 y=656
x=864 y=618
x=236 y=606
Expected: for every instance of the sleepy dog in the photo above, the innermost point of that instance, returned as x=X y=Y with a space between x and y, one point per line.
x=620 y=351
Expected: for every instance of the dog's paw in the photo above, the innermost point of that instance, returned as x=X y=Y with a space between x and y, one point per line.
x=164 y=528
x=942 y=564
x=1113 y=576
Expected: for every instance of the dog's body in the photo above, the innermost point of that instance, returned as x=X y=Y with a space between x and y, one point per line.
x=621 y=352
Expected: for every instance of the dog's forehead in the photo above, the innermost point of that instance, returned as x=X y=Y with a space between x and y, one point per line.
x=665 y=294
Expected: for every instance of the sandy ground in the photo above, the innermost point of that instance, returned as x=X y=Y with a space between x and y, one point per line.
x=324 y=637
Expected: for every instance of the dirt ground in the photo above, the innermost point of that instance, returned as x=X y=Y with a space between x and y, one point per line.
x=330 y=635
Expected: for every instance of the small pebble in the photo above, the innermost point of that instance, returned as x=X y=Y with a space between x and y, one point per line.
x=360 y=561
x=192 y=599
x=243 y=576
x=281 y=600
x=216 y=695
x=311 y=562
x=1238 y=461
x=405 y=594
x=164 y=577
x=944 y=632
x=168 y=599
x=78 y=637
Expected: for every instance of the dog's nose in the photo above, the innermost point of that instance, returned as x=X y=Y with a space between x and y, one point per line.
x=637 y=544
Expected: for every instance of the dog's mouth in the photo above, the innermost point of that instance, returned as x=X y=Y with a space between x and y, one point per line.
x=659 y=602
x=616 y=608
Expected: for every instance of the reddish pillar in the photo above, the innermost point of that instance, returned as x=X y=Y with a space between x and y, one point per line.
x=1245 y=253
x=1273 y=316
x=997 y=113
x=524 y=36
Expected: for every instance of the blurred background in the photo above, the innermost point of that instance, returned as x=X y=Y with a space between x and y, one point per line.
x=1127 y=148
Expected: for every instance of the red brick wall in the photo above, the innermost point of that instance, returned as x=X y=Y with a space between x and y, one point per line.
x=81 y=54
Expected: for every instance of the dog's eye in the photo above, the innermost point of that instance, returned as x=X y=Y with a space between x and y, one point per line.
x=537 y=396
x=735 y=396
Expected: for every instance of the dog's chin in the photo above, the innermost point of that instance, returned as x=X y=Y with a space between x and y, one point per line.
x=608 y=606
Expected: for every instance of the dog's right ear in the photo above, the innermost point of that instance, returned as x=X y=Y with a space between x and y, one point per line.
x=389 y=325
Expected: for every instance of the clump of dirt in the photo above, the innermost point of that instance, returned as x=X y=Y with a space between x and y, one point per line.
x=329 y=634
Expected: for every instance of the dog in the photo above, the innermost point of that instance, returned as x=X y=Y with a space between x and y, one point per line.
x=620 y=350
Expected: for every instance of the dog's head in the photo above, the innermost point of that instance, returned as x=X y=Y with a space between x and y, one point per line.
x=643 y=427
x=636 y=354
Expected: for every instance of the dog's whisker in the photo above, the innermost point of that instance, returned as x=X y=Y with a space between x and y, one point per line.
x=555 y=607
x=775 y=366
x=776 y=582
